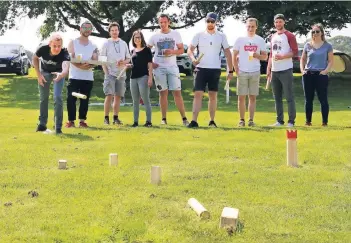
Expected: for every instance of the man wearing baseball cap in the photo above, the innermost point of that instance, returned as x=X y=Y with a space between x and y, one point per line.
x=208 y=70
x=280 y=70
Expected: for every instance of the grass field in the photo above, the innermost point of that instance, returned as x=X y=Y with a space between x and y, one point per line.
x=243 y=168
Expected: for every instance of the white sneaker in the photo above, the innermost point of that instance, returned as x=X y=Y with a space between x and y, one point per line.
x=290 y=125
x=277 y=124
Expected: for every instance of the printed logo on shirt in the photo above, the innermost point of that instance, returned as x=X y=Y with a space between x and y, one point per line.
x=277 y=46
x=50 y=62
x=165 y=43
x=250 y=47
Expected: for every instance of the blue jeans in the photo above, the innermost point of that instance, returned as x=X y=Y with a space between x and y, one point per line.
x=316 y=83
x=44 y=100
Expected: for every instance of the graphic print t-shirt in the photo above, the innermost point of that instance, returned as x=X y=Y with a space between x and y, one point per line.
x=282 y=44
x=51 y=63
x=245 y=45
x=162 y=42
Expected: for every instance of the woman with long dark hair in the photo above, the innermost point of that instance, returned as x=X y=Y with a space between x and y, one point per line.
x=141 y=77
x=316 y=62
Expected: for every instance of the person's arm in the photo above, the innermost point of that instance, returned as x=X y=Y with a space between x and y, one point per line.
x=190 y=53
x=150 y=67
x=269 y=64
x=228 y=56
x=330 y=63
x=177 y=52
x=235 y=61
x=303 y=61
x=262 y=56
x=194 y=43
x=127 y=55
x=35 y=61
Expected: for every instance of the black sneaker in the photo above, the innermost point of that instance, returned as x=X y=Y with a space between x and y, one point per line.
x=41 y=128
x=58 y=131
x=135 y=124
x=148 y=124
x=193 y=124
x=117 y=121
x=212 y=124
x=107 y=121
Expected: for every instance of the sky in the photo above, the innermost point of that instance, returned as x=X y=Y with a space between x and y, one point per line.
x=26 y=32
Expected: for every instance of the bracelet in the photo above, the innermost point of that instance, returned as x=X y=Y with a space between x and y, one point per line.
x=230 y=72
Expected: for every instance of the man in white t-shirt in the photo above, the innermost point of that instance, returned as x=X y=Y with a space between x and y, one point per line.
x=117 y=53
x=168 y=44
x=208 y=70
x=247 y=53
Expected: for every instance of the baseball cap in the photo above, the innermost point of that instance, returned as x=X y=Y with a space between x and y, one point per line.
x=211 y=16
x=279 y=16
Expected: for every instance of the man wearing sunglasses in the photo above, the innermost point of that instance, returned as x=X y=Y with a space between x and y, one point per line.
x=208 y=70
x=116 y=50
x=280 y=70
x=81 y=75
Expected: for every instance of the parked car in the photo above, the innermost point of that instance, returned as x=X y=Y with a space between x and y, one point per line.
x=184 y=64
x=13 y=59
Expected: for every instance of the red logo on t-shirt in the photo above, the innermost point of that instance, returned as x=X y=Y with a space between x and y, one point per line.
x=250 y=48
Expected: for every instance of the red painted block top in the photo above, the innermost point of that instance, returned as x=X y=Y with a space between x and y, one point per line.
x=291 y=134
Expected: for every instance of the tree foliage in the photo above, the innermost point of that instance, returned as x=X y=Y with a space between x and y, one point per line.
x=132 y=15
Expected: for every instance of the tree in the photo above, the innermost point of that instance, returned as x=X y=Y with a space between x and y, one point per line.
x=300 y=15
x=341 y=43
x=132 y=15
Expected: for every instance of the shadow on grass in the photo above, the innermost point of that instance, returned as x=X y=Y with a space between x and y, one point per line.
x=80 y=137
x=22 y=92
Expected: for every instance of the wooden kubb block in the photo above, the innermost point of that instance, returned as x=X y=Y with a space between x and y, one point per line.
x=62 y=164
x=114 y=159
x=156 y=175
x=200 y=210
x=229 y=218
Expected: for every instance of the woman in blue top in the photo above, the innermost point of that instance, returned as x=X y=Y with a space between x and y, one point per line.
x=316 y=62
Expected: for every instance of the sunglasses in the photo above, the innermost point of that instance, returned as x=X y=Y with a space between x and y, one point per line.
x=87 y=28
x=316 y=31
x=210 y=21
x=137 y=37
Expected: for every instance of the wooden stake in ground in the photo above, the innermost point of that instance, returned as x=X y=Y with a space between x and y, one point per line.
x=198 y=208
x=156 y=175
x=291 y=148
x=62 y=164
x=229 y=218
x=113 y=159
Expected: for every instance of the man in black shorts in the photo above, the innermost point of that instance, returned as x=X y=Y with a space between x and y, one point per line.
x=54 y=66
x=208 y=69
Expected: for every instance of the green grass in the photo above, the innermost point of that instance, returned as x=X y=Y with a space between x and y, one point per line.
x=242 y=168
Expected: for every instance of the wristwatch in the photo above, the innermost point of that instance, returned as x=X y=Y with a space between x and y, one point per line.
x=231 y=72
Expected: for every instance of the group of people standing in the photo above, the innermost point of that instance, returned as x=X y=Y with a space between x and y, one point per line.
x=52 y=64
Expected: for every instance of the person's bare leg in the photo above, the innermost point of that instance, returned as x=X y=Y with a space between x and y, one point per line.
x=107 y=104
x=252 y=106
x=164 y=103
x=242 y=106
x=197 y=104
x=116 y=104
x=178 y=99
x=212 y=104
